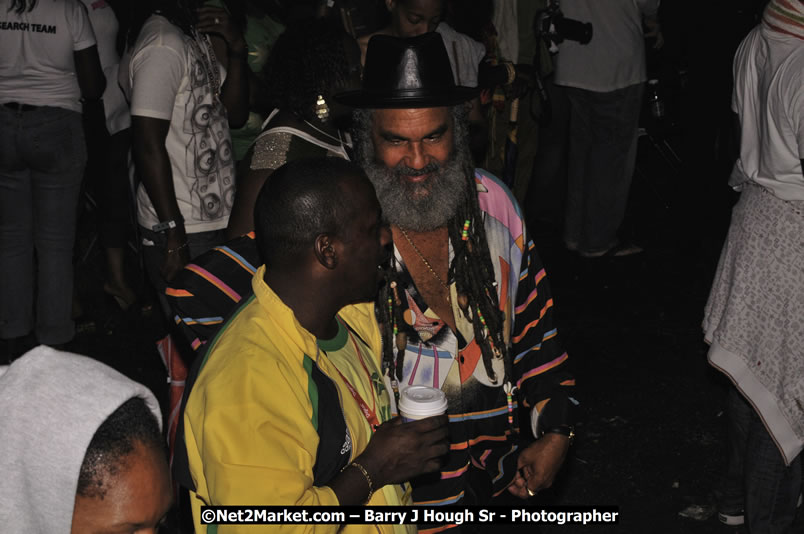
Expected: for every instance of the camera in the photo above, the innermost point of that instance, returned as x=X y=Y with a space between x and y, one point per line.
x=551 y=25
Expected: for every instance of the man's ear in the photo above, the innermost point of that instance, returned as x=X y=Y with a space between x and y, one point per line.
x=390 y=4
x=325 y=251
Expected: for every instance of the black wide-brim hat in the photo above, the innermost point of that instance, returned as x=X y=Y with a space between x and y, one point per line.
x=410 y=72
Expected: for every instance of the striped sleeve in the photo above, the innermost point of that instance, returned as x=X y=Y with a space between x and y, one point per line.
x=207 y=290
x=541 y=365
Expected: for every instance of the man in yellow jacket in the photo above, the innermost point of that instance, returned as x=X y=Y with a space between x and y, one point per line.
x=289 y=406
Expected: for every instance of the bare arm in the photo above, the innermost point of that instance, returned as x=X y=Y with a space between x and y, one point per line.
x=241 y=220
x=89 y=73
x=235 y=91
x=654 y=31
x=92 y=83
x=153 y=165
x=650 y=18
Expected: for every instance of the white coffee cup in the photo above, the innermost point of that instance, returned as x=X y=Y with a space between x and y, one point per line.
x=420 y=402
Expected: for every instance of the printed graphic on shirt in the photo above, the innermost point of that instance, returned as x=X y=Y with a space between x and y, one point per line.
x=347 y=444
x=27 y=27
x=208 y=155
x=433 y=349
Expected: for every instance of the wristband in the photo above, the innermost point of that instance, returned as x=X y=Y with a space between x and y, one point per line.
x=164 y=225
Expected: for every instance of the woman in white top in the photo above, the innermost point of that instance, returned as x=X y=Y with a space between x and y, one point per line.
x=49 y=75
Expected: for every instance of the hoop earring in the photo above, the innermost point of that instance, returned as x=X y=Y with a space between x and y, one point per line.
x=321 y=109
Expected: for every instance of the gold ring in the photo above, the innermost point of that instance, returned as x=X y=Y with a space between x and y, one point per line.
x=531 y=493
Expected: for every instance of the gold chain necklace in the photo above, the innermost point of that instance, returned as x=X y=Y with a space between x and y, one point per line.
x=426 y=263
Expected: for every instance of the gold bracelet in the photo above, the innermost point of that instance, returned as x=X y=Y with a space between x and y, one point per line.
x=368 y=478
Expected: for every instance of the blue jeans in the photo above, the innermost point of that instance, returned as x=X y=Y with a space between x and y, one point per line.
x=757 y=479
x=42 y=159
x=603 y=135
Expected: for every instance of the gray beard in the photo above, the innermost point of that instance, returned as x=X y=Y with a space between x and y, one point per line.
x=420 y=206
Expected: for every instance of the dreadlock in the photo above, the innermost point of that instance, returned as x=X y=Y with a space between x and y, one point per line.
x=471 y=267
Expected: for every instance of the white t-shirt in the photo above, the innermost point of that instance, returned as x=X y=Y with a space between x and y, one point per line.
x=615 y=57
x=464 y=54
x=169 y=81
x=36 y=53
x=105 y=26
x=769 y=98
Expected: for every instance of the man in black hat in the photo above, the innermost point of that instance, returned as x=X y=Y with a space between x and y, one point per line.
x=466 y=307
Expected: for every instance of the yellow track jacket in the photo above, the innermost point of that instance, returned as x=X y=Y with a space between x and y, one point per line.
x=250 y=419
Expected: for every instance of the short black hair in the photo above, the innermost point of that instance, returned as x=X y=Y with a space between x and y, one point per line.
x=307 y=60
x=301 y=200
x=107 y=453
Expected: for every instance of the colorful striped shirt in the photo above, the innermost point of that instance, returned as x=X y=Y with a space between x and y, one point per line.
x=484 y=446
x=207 y=290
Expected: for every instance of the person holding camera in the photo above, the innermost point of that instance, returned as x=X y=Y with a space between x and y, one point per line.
x=604 y=83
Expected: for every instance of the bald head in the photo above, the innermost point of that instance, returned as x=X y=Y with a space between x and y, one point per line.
x=302 y=200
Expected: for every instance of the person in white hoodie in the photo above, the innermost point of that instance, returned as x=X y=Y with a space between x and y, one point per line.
x=81 y=449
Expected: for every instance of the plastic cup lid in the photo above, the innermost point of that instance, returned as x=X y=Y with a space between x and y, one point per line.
x=422 y=400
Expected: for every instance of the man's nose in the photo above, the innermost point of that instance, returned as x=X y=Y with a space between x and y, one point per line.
x=417 y=158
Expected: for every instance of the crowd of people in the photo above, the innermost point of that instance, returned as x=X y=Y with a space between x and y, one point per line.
x=333 y=218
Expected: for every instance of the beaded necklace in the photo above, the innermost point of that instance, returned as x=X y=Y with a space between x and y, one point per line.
x=209 y=63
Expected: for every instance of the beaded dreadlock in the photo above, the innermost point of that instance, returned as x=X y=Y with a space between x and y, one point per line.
x=471 y=267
